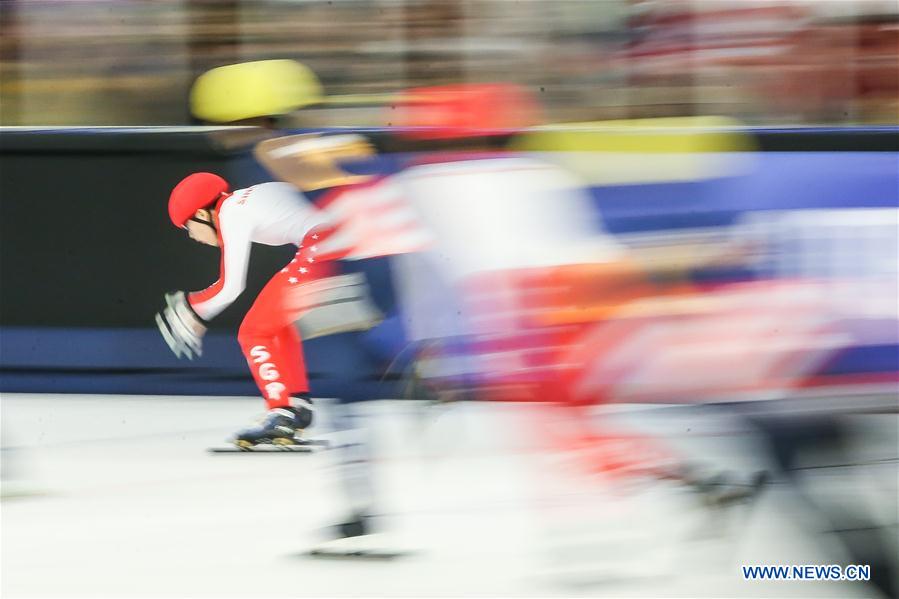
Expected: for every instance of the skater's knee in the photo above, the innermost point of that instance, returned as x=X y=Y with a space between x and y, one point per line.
x=246 y=333
x=251 y=331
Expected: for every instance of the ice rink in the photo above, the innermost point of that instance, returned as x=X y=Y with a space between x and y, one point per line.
x=116 y=496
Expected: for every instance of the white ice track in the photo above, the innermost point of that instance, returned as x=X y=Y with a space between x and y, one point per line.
x=127 y=503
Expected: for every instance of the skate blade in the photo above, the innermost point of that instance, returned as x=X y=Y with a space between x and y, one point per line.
x=294 y=447
x=367 y=547
x=373 y=555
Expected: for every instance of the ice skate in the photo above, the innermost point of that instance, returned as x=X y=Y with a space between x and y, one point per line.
x=725 y=489
x=281 y=426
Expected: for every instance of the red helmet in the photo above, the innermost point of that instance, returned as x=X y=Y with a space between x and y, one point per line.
x=195 y=192
x=466 y=109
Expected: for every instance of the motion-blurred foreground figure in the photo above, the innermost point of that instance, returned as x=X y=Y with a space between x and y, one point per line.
x=505 y=302
x=521 y=296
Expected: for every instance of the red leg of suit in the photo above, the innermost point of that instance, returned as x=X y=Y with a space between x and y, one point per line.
x=274 y=356
x=267 y=336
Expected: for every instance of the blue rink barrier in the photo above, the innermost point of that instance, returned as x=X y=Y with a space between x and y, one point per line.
x=137 y=361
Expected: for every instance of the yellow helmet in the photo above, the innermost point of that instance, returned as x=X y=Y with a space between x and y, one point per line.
x=253 y=89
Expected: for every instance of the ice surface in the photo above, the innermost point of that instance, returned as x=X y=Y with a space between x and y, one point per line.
x=124 y=501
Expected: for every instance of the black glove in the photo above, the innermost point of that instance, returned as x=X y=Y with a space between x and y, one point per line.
x=180 y=326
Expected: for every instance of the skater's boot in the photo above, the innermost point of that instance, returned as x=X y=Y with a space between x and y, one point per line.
x=280 y=426
x=358 y=537
x=357 y=525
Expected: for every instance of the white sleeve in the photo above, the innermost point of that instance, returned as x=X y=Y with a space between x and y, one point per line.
x=235 y=244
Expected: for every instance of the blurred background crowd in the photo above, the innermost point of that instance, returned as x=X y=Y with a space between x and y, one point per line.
x=766 y=62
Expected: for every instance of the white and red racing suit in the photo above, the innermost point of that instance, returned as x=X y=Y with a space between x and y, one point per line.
x=272 y=214
x=359 y=221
